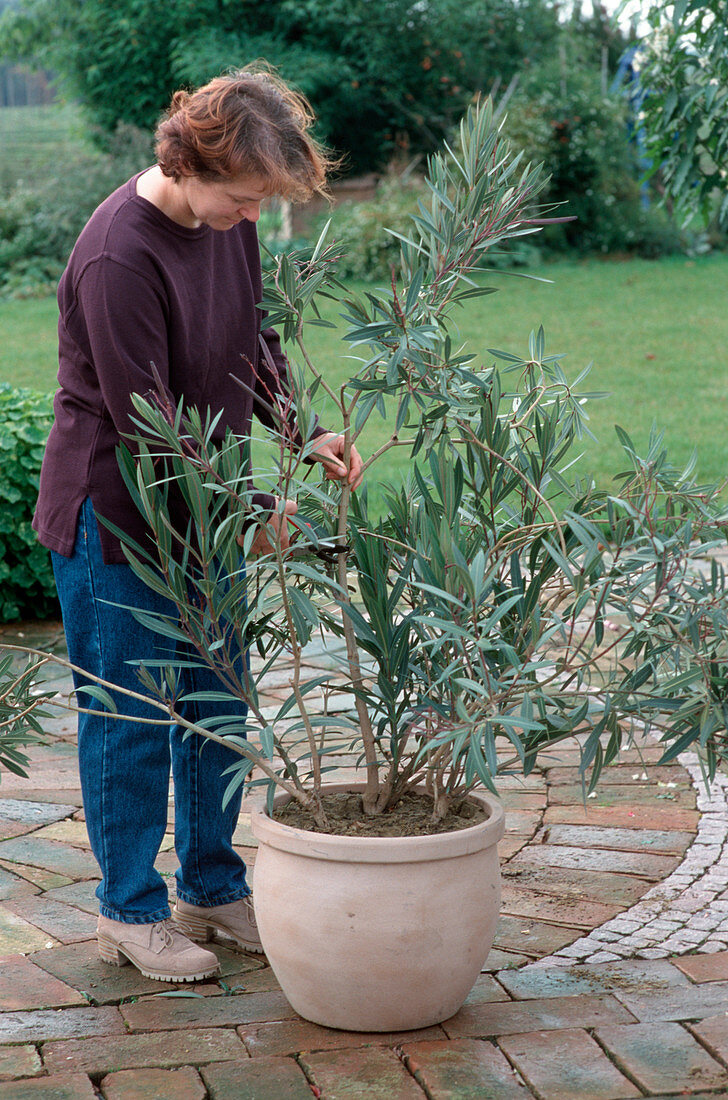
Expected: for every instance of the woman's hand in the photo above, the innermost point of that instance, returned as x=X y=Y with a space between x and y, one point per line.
x=329 y=451
x=262 y=544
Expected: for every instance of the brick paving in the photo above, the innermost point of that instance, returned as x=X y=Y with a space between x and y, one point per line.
x=608 y=976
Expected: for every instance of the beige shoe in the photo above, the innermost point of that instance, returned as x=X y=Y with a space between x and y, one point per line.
x=236 y=920
x=158 y=950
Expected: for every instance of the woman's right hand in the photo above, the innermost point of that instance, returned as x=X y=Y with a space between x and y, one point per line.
x=278 y=521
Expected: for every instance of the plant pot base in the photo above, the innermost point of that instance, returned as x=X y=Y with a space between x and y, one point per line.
x=377 y=934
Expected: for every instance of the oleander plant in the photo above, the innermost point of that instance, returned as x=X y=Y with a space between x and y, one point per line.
x=503 y=602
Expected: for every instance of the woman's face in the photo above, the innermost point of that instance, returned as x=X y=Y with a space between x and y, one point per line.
x=221 y=204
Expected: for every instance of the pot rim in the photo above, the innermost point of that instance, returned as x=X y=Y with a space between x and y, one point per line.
x=379 y=849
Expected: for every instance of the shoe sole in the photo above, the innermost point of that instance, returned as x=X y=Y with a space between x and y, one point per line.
x=113 y=954
x=201 y=931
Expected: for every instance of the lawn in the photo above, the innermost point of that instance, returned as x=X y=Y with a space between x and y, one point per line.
x=656 y=331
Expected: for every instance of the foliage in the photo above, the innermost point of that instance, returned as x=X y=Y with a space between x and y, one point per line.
x=363 y=230
x=382 y=76
x=34 y=138
x=684 y=76
x=41 y=220
x=564 y=114
x=20 y=711
x=27 y=587
x=502 y=601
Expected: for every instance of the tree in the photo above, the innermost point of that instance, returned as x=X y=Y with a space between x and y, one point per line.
x=383 y=75
x=684 y=76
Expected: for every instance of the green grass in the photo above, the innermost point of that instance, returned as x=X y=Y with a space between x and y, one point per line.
x=29 y=345
x=656 y=331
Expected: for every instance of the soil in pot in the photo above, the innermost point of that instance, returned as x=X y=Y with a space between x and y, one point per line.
x=412 y=816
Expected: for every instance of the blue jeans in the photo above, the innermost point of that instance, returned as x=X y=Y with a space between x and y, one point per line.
x=125 y=765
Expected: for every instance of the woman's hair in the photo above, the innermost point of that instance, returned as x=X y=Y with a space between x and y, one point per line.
x=244 y=123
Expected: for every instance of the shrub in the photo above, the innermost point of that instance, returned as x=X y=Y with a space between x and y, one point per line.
x=40 y=221
x=27 y=588
x=368 y=251
x=581 y=135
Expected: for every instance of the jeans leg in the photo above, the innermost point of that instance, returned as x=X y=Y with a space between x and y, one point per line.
x=124 y=764
x=211 y=872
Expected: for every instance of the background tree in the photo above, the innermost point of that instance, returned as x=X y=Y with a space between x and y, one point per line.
x=684 y=75
x=384 y=75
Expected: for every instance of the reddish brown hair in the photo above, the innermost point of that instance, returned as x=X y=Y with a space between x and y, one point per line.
x=244 y=123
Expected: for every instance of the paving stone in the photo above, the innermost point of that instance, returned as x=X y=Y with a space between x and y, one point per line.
x=641 y=754
x=522 y=822
x=254 y=981
x=520 y=902
x=67 y=1023
x=24 y=985
x=690 y=1003
x=485 y=990
x=63 y=922
x=631 y=976
x=566 y=1065
x=509 y=846
x=466 y=1069
x=543 y=1014
x=662 y=1056
x=160 y=1049
x=154 y=1084
x=624 y=774
x=262 y=1079
x=71 y=797
x=518 y=782
x=523 y=800
x=9 y=829
x=691 y=1096
x=22 y=1061
x=243 y=834
x=235 y=964
x=63 y=1086
x=531 y=937
x=34 y=813
x=79 y=966
x=625 y=816
x=67 y=832
x=355 y=1074
x=616 y=795
x=51 y=856
x=500 y=960
x=12 y=886
x=17 y=936
x=631 y=840
x=649 y=866
x=44 y=880
x=58 y=779
x=704 y=968
x=82 y=895
x=605 y=885
x=293 y=1036
x=713 y=1033
x=162 y=1013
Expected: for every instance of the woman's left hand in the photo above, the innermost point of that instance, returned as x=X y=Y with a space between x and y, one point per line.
x=329 y=450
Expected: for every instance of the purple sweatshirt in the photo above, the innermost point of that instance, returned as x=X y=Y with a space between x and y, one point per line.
x=141 y=289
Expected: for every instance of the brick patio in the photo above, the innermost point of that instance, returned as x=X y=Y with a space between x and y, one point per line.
x=608 y=977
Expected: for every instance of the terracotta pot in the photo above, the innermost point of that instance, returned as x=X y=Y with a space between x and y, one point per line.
x=377 y=933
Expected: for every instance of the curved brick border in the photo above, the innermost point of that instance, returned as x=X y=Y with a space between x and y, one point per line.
x=687 y=911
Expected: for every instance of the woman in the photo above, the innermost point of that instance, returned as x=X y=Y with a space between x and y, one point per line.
x=166 y=272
